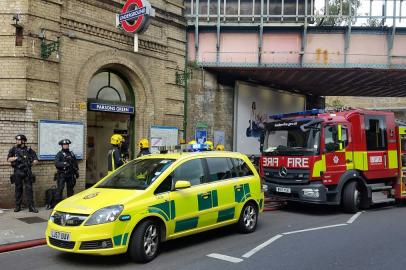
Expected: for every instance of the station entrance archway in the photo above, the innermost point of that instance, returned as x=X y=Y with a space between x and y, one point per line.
x=110 y=111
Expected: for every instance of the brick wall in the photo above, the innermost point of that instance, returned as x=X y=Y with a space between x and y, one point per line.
x=396 y=104
x=212 y=104
x=32 y=88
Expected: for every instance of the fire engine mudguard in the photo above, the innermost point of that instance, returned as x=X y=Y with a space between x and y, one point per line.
x=352 y=175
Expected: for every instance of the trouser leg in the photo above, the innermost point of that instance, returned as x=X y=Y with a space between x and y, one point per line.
x=29 y=194
x=59 y=188
x=18 y=191
x=69 y=187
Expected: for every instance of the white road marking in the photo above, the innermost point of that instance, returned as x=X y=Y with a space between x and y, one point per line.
x=315 y=229
x=225 y=258
x=276 y=237
x=354 y=217
x=261 y=246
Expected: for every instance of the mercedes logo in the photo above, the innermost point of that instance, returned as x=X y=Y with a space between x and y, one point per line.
x=283 y=171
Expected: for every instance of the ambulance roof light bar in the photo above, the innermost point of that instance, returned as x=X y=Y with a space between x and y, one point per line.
x=296 y=114
x=198 y=147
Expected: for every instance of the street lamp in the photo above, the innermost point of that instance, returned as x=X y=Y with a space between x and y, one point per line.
x=48 y=48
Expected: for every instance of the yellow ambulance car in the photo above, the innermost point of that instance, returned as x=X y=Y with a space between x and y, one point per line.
x=157 y=198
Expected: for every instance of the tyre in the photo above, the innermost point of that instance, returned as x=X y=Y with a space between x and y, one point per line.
x=247 y=222
x=145 y=241
x=351 y=198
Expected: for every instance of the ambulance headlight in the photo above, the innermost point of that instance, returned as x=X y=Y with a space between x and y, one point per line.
x=105 y=215
x=311 y=192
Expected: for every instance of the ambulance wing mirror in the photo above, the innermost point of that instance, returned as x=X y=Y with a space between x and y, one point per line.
x=182 y=184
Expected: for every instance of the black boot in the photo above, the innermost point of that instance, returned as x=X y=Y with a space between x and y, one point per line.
x=31 y=208
x=18 y=208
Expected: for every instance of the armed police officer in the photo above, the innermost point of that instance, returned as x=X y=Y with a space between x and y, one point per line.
x=67 y=170
x=22 y=158
x=115 y=159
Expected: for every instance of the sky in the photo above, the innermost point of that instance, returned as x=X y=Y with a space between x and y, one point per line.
x=364 y=9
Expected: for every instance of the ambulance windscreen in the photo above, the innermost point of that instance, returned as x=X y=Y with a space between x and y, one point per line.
x=138 y=174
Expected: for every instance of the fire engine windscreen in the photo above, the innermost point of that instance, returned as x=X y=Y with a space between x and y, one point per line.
x=292 y=137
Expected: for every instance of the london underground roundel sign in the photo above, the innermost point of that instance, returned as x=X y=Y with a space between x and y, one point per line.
x=135 y=15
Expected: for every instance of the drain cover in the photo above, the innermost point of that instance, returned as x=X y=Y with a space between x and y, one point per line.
x=31 y=220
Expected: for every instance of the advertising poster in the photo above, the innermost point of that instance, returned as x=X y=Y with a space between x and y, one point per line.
x=253 y=104
x=219 y=137
x=201 y=135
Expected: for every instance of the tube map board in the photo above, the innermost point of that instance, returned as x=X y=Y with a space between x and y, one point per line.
x=50 y=132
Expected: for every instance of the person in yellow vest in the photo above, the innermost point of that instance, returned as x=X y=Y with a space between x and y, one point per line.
x=114 y=157
x=144 y=147
x=220 y=147
x=210 y=145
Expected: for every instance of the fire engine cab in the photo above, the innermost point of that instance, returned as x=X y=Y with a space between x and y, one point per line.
x=352 y=157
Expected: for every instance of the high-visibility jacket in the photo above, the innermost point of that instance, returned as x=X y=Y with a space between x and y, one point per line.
x=114 y=159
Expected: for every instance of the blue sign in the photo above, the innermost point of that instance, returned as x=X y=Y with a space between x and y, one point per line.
x=111 y=108
x=133 y=14
x=201 y=136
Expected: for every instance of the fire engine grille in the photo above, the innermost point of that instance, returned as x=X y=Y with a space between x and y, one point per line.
x=292 y=176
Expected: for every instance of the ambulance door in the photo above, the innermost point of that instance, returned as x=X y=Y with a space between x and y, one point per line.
x=221 y=182
x=189 y=215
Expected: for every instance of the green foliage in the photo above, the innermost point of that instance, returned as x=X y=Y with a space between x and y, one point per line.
x=337 y=104
x=334 y=7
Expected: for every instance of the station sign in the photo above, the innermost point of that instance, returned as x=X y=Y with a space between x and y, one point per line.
x=111 y=108
x=135 y=16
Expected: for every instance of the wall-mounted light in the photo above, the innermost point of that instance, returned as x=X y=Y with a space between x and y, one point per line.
x=19 y=29
x=16 y=20
x=48 y=48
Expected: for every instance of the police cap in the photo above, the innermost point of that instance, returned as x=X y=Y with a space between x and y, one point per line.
x=21 y=137
x=64 y=141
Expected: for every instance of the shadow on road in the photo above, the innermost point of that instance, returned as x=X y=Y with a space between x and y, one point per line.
x=311 y=209
x=80 y=260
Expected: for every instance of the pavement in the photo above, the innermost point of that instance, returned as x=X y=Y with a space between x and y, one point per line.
x=22 y=226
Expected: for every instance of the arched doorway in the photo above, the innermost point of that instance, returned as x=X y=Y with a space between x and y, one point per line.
x=110 y=110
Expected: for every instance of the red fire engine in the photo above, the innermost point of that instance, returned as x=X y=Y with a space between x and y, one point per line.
x=351 y=157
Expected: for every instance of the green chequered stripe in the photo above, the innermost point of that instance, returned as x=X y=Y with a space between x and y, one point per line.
x=226 y=214
x=207 y=200
x=117 y=239
x=120 y=239
x=186 y=224
x=125 y=239
x=165 y=209
x=242 y=192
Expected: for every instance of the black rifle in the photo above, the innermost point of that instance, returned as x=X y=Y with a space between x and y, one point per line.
x=72 y=168
x=24 y=162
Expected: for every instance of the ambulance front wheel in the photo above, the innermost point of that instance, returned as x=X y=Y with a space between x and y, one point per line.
x=145 y=241
x=352 y=197
x=248 y=218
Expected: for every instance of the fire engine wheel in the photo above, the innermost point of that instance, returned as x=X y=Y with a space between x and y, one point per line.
x=351 y=197
x=145 y=240
x=248 y=218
